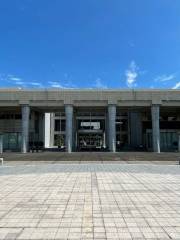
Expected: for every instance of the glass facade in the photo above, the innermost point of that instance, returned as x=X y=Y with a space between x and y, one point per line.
x=169 y=126
x=90 y=131
x=12 y=141
x=59 y=130
x=59 y=125
x=122 y=129
x=168 y=140
x=90 y=141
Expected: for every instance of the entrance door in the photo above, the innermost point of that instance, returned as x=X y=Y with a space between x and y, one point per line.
x=90 y=141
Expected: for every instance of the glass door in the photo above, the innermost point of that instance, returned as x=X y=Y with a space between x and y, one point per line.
x=12 y=141
x=90 y=141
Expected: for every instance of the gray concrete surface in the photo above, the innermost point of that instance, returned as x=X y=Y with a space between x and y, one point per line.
x=98 y=157
x=89 y=201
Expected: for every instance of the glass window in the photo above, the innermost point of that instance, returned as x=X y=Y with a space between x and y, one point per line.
x=12 y=141
x=59 y=125
x=17 y=116
x=121 y=125
x=63 y=125
x=60 y=114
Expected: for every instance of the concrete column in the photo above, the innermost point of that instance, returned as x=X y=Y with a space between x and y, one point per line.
x=52 y=128
x=106 y=130
x=112 y=127
x=104 y=140
x=155 y=128
x=135 y=129
x=1 y=143
x=41 y=127
x=74 y=131
x=47 y=133
x=69 y=126
x=25 y=128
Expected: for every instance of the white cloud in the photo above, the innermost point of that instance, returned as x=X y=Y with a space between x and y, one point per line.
x=55 y=84
x=69 y=84
x=16 y=79
x=177 y=85
x=36 y=84
x=164 y=78
x=99 y=83
x=131 y=75
x=19 y=81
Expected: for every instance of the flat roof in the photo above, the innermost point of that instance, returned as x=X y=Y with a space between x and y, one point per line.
x=91 y=89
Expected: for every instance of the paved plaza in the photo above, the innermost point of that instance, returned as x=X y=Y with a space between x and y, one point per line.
x=89 y=201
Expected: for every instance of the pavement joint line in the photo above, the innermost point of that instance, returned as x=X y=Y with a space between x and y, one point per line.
x=90 y=199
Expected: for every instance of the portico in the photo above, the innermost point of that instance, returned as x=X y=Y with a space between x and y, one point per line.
x=95 y=120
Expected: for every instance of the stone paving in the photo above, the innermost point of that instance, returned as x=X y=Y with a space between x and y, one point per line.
x=90 y=201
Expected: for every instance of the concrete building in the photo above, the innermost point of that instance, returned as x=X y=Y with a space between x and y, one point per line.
x=85 y=119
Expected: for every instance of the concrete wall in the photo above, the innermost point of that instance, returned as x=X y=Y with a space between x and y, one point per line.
x=57 y=98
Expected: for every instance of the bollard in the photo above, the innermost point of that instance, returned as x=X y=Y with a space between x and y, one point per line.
x=2 y=161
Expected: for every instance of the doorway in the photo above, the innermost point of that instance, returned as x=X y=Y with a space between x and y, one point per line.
x=90 y=141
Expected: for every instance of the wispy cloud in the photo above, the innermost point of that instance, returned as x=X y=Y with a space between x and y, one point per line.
x=69 y=84
x=55 y=84
x=14 y=80
x=18 y=81
x=99 y=83
x=131 y=75
x=36 y=84
x=165 y=78
x=176 y=86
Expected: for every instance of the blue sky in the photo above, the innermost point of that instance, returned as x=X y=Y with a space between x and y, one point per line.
x=90 y=43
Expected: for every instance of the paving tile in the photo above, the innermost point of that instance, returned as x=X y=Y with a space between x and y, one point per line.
x=89 y=201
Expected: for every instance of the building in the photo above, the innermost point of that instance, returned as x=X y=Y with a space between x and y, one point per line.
x=90 y=119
